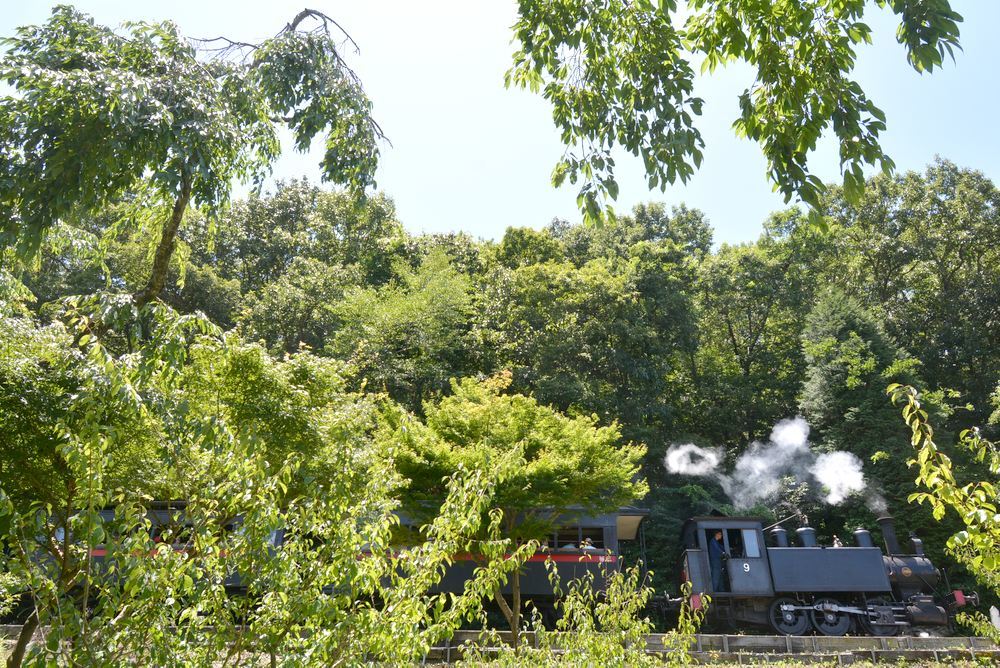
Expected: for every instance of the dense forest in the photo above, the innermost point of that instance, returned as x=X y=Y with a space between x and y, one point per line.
x=264 y=431
x=642 y=321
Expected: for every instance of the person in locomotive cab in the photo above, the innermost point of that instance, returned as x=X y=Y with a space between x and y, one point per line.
x=716 y=554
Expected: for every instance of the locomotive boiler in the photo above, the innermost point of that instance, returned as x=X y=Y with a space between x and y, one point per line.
x=797 y=589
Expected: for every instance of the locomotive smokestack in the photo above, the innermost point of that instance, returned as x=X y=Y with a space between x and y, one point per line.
x=807 y=536
x=862 y=538
x=888 y=526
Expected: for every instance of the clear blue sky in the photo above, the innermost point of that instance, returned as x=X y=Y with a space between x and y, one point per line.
x=469 y=155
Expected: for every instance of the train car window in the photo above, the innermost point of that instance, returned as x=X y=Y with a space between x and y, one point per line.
x=173 y=533
x=568 y=538
x=592 y=536
x=735 y=540
x=751 y=544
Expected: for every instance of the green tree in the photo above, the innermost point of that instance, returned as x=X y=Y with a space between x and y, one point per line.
x=257 y=239
x=687 y=228
x=849 y=355
x=299 y=307
x=850 y=361
x=98 y=116
x=568 y=465
x=752 y=301
x=203 y=289
x=619 y=74
x=923 y=252
x=467 y=254
x=522 y=246
x=270 y=445
x=409 y=337
x=601 y=338
x=42 y=376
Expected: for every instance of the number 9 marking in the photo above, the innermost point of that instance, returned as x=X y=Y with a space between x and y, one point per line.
x=746 y=567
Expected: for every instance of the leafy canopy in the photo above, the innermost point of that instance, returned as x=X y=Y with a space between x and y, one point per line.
x=97 y=115
x=569 y=464
x=620 y=74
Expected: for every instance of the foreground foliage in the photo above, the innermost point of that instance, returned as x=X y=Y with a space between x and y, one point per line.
x=565 y=467
x=99 y=117
x=110 y=591
x=976 y=503
x=594 y=627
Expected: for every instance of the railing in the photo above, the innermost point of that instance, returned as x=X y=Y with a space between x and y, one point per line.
x=711 y=648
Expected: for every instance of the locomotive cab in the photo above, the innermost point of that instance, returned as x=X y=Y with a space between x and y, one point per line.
x=742 y=570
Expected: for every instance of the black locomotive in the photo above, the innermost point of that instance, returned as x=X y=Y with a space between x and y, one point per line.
x=809 y=587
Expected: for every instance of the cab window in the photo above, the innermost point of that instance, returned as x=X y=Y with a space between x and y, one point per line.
x=735 y=540
x=751 y=545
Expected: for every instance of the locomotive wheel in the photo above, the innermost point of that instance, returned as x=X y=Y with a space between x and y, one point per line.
x=884 y=630
x=788 y=622
x=828 y=621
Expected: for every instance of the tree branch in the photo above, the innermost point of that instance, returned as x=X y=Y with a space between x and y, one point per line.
x=293 y=25
x=161 y=260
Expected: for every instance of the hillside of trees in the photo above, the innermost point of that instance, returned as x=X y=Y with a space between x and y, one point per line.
x=643 y=322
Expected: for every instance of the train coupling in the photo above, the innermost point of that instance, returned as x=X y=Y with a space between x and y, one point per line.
x=959 y=599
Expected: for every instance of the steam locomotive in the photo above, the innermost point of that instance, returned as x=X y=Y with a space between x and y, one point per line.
x=809 y=587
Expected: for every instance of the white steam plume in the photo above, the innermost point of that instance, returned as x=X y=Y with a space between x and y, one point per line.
x=877 y=503
x=689 y=459
x=840 y=474
x=758 y=473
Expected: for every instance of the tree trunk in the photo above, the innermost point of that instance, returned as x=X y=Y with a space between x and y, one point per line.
x=511 y=611
x=165 y=249
x=515 y=594
x=16 y=657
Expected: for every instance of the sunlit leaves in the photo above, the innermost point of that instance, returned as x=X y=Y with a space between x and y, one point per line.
x=261 y=450
x=928 y=29
x=567 y=462
x=977 y=503
x=97 y=113
x=803 y=52
x=304 y=80
x=618 y=75
x=615 y=78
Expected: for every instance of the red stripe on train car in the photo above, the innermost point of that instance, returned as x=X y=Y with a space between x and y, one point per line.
x=538 y=557
x=578 y=558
